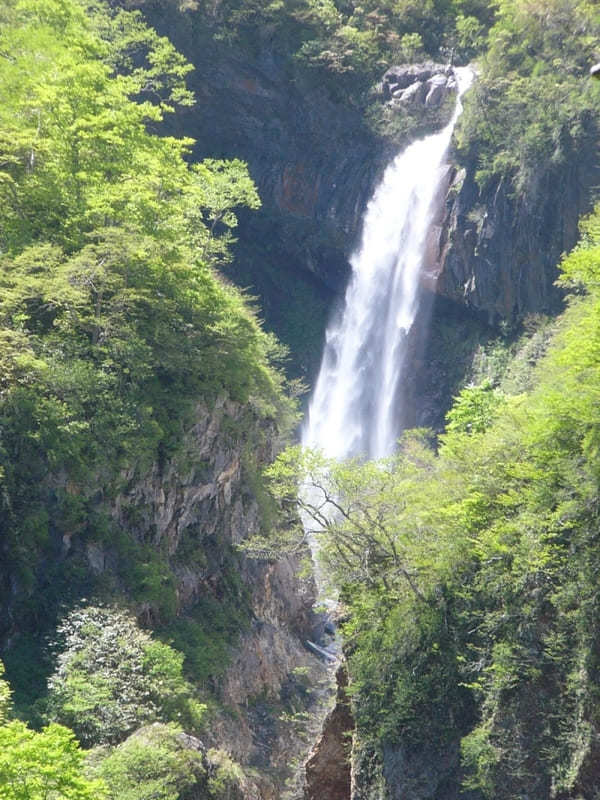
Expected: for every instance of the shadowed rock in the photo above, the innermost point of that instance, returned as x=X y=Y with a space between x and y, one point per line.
x=328 y=765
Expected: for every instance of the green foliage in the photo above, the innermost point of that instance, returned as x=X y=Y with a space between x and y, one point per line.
x=474 y=409
x=71 y=136
x=532 y=106
x=469 y=575
x=508 y=362
x=347 y=45
x=111 y=677
x=470 y=35
x=153 y=762
x=480 y=757
x=48 y=764
x=113 y=320
x=581 y=267
x=370 y=36
x=225 y=776
x=4 y=697
x=227 y=186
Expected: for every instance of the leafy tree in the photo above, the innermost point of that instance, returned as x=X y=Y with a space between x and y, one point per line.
x=154 y=762
x=361 y=515
x=533 y=81
x=474 y=409
x=71 y=135
x=37 y=766
x=226 y=186
x=111 y=678
x=580 y=270
x=113 y=321
x=4 y=696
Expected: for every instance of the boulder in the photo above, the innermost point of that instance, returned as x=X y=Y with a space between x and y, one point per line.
x=426 y=84
x=437 y=90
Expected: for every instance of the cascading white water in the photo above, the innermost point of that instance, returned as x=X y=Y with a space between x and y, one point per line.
x=353 y=410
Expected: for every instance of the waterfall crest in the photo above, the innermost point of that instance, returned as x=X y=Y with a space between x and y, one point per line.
x=354 y=410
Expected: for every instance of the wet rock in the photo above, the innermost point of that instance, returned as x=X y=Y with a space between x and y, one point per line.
x=388 y=89
x=328 y=771
x=415 y=93
x=499 y=249
x=438 y=90
x=415 y=85
x=404 y=75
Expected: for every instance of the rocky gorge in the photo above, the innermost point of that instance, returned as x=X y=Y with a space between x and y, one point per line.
x=448 y=667
x=316 y=160
x=491 y=261
x=195 y=509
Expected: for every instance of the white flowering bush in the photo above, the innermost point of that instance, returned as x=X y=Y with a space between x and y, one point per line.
x=111 y=677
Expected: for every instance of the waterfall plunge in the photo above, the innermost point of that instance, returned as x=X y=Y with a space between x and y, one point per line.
x=353 y=410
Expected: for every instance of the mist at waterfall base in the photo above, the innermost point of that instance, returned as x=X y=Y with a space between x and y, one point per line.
x=356 y=408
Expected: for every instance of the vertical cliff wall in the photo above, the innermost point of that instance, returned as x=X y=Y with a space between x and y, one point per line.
x=316 y=158
x=169 y=552
x=499 y=249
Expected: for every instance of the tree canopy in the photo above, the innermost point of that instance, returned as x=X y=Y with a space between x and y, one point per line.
x=38 y=765
x=114 y=321
x=467 y=571
x=111 y=678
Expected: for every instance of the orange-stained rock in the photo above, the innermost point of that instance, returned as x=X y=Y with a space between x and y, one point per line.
x=299 y=191
x=328 y=765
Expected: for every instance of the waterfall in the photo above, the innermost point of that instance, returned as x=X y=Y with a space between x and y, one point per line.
x=354 y=407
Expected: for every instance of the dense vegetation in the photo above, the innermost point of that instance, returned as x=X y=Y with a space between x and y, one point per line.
x=469 y=570
x=114 y=323
x=351 y=43
x=532 y=108
x=111 y=679
x=116 y=334
x=467 y=564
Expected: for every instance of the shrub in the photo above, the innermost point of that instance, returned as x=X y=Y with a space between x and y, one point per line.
x=154 y=762
x=111 y=677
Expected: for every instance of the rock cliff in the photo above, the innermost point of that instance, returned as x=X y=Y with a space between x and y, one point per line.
x=171 y=554
x=314 y=160
x=316 y=157
x=198 y=507
x=328 y=766
x=498 y=250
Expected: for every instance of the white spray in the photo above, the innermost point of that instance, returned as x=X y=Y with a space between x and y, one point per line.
x=353 y=410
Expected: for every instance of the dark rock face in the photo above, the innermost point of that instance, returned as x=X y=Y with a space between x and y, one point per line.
x=397 y=772
x=316 y=162
x=498 y=250
x=313 y=159
x=310 y=158
x=422 y=775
